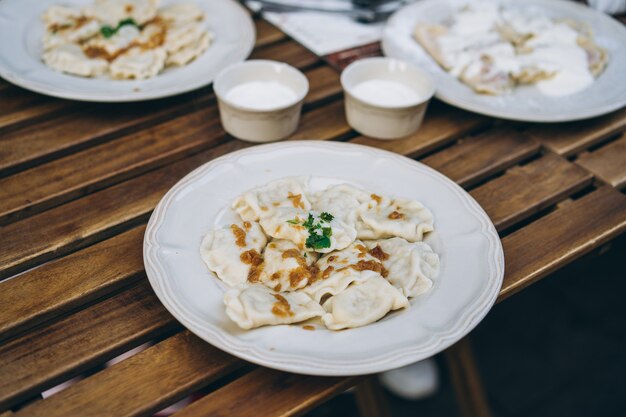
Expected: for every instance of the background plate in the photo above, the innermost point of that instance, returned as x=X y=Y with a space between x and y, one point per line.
x=21 y=31
x=606 y=94
x=472 y=262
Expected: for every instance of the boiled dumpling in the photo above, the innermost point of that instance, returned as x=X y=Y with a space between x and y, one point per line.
x=261 y=201
x=383 y=217
x=110 y=47
x=71 y=59
x=179 y=36
x=138 y=63
x=291 y=224
x=234 y=252
x=190 y=51
x=362 y=303
x=112 y=12
x=287 y=268
x=342 y=201
x=410 y=266
x=257 y=305
x=181 y=13
x=341 y=268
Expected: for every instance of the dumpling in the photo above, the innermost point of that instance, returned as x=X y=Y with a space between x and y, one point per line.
x=67 y=25
x=308 y=230
x=71 y=59
x=110 y=47
x=410 y=266
x=287 y=268
x=190 y=51
x=362 y=303
x=181 y=13
x=261 y=201
x=257 y=305
x=179 y=36
x=383 y=218
x=341 y=268
x=342 y=201
x=138 y=63
x=111 y=12
x=56 y=17
x=234 y=252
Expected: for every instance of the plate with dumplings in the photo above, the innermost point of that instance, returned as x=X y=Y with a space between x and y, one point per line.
x=529 y=60
x=323 y=258
x=120 y=50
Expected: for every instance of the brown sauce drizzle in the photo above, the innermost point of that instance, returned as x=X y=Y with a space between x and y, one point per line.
x=395 y=215
x=281 y=307
x=303 y=271
x=240 y=235
x=247 y=225
x=254 y=259
x=370 y=266
x=378 y=253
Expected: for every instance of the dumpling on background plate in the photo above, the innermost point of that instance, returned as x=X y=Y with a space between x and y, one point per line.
x=112 y=12
x=190 y=51
x=257 y=305
x=71 y=59
x=234 y=252
x=179 y=13
x=138 y=63
x=342 y=201
x=362 y=303
x=411 y=266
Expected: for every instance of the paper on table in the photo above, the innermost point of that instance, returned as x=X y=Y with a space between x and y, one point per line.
x=324 y=33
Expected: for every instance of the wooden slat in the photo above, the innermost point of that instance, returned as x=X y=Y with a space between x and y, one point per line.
x=570 y=138
x=323 y=84
x=142 y=384
x=371 y=399
x=468 y=388
x=32 y=191
x=87 y=220
x=477 y=157
x=289 y=52
x=18 y=107
x=564 y=235
x=77 y=279
x=524 y=191
x=270 y=393
x=266 y=33
x=46 y=356
x=607 y=163
x=442 y=124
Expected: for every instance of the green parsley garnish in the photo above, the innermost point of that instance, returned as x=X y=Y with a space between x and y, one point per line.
x=108 y=31
x=319 y=232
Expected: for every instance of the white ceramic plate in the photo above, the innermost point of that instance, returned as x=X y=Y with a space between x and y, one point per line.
x=472 y=262
x=606 y=94
x=21 y=32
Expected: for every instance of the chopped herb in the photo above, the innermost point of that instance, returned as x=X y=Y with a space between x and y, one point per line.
x=309 y=222
x=108 y=31
x=327 y=217
x=305 y=254
x=327 y=231
x=316 y=241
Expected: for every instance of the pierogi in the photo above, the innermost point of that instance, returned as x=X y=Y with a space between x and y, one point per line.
x=343 y=254
x=124 y=39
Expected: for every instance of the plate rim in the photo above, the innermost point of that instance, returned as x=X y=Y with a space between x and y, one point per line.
x=389 y=50
x=143 y=95
x=298 y=364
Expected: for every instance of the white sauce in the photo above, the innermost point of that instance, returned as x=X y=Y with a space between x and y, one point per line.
x=386 y=93
x=473 y=47
x=261 y=95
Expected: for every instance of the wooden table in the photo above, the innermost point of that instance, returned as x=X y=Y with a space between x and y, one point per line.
x=78 y=182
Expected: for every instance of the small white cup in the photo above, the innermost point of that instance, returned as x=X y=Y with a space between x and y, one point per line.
x=380 y=120
x=260 y=125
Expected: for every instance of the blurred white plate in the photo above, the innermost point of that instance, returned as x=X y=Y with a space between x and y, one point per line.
x=472 y=262
x=21 y=31
x=606 y=94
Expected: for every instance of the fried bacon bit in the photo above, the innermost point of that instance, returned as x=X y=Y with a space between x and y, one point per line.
x=378 y=253
x=331 y=258
x=255 y=272
x=275 y=276
x=254 y=259
x=370 y=266
x=247 y=225
x=376 y=198
x=264 y=208
x=281 y=307
x=293 y=253
x=128 y=8
x=296 y=200
x=395 y=215
x=303 y=271
x=272 y=245
x=240 y=235
x=276 y=204
x=278 y=287
x=308 y=327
